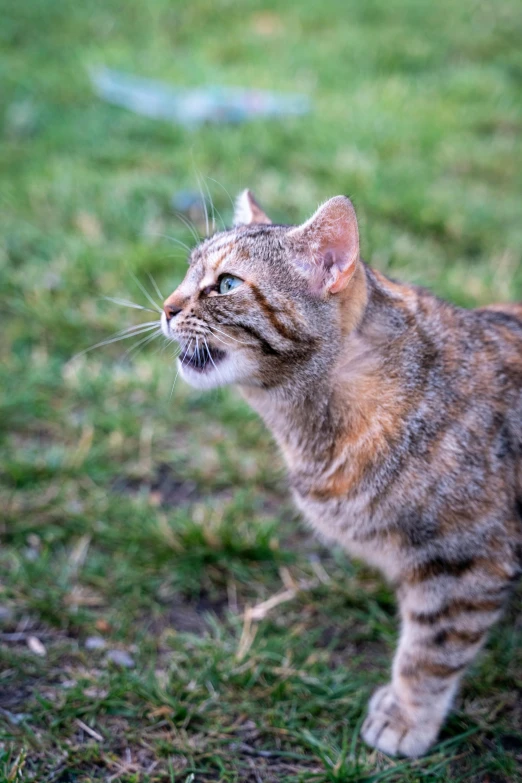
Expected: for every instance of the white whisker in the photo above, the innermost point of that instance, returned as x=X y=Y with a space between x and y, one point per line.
x=166 y=344
x=123 y=335
x=127 y=303
x=224 y=188
x=174 y=382
x=155 y=286
x=211 y=205
x=227 y=345
x=177 y=241
x=218 y=213
x=179 y=365
x=135 y=327
x=215 y=211
x=208 y=352
x=142 y=343
x=229 y=336
x=204 y=202
x=144 y=290
x=190 y=225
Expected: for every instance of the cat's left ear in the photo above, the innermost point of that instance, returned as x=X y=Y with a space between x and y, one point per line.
x=248 y=212
x=327 y=245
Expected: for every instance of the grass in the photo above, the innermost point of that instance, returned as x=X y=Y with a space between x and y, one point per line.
x=155 y=524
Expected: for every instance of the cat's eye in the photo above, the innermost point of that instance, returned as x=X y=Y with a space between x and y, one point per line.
x=227 y=283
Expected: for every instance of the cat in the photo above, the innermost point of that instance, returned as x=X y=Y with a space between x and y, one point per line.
x=399 y=417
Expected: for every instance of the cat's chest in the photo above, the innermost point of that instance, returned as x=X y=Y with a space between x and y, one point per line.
x=351 y=524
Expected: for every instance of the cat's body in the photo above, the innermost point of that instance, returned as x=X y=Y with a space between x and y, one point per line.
x=400 y=420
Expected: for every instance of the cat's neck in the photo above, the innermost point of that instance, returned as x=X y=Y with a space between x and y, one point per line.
x=308 y=420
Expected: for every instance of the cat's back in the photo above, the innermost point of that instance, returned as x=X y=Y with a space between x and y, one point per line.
x=456 y=377
x=477 y=370
x=443 y=348
x=473 y=397
x=511 y=309
x=501 y=334
x=504 y=323
x=485 y=343
x=503 y=328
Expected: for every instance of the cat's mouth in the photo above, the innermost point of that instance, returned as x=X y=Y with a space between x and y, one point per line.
x=202 y=358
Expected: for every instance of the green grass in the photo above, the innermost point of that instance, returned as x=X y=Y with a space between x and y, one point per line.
x=156 y=522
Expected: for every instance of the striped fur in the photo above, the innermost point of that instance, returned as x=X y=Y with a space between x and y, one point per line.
x=400 y=419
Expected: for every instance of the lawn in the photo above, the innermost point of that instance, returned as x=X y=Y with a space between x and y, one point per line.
x=164 y=614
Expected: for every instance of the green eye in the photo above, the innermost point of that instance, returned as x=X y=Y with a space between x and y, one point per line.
x=227 y=283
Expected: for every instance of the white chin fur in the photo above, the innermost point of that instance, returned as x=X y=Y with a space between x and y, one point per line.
x=234 y=368
x=165 y=327
x=223 y=374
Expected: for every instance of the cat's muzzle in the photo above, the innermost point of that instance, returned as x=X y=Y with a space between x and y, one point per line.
x=202 y=358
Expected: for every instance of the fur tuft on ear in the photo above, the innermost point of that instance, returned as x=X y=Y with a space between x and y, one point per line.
x=327 y=245
x=248 y=212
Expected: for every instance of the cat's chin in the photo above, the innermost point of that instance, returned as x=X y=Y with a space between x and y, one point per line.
x=211 y=375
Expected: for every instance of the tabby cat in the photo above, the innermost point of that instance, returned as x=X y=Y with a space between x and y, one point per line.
x=400 y=420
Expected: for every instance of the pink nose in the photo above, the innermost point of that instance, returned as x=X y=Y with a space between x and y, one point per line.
x=170 y=309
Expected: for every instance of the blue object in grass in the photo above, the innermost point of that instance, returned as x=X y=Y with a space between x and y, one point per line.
x=193 y=106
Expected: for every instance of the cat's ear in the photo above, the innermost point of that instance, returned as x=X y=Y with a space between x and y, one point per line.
x=327 y=245
x=248 y=212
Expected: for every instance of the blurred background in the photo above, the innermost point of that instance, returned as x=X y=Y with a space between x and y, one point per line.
x=164 y=615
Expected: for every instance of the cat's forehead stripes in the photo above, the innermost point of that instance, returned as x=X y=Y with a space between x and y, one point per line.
x=217 y=243
x=220 y=255
x=211 y=267
x=214 y=252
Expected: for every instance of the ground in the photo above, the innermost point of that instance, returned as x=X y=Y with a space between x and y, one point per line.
x=145 y=528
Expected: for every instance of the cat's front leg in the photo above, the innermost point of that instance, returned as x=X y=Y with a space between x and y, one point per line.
x=443 y=626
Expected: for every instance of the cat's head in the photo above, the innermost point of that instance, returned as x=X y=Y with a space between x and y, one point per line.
x=265 y=304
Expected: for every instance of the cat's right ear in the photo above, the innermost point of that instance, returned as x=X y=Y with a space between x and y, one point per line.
x=248 y=212
x=326 y=247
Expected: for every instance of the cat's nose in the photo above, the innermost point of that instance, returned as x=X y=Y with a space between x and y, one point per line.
x=171 y=309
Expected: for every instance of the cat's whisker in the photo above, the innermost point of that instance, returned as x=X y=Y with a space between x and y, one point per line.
x=220 y=339
x=166 y=344
x=227 y=345
x=155 y=286
x=204 y=203
x=218 y=213
x=142 y=343
x=123 y=335
x=177 y=241
x=174 y=383
x=215 y=210
x=212 y=207
x=208 y=352
x=146 y=293
x=127 y=303
x=229 y=336
x=134 y=328
x=190 y=225
x=179 y=366
x=223 y=188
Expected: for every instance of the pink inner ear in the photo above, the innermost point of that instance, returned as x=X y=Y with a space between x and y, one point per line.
x=329 y=258
x=330 y=239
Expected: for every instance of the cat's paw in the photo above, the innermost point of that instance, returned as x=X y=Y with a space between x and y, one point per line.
x=390 y=729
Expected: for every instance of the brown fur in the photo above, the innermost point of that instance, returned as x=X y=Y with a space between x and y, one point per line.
x=400 y=419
